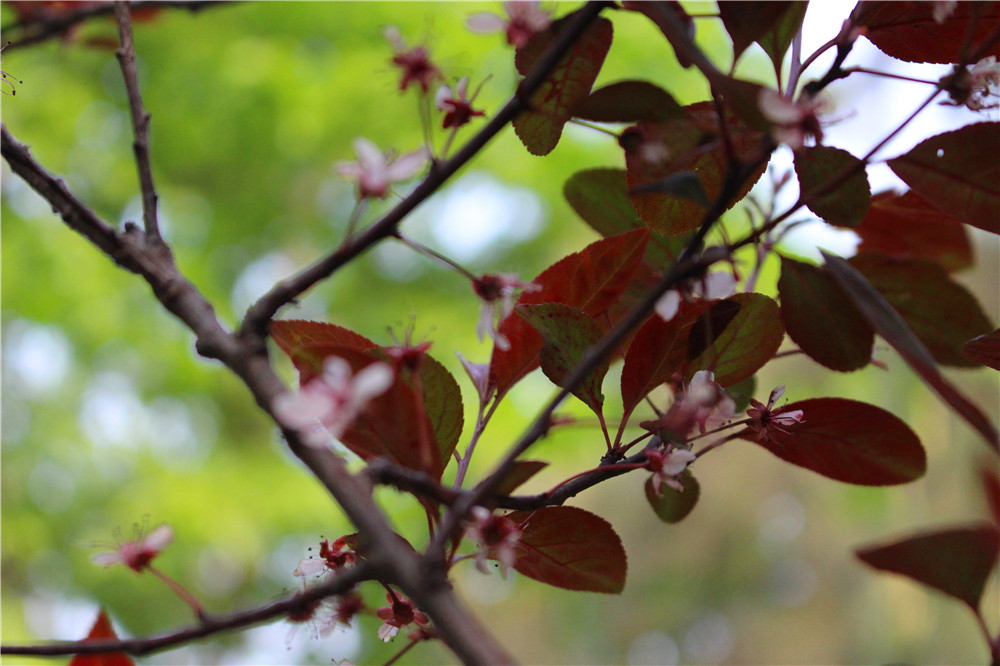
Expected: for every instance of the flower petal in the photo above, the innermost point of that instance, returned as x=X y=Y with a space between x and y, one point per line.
x=483 y=22
x=159 y=538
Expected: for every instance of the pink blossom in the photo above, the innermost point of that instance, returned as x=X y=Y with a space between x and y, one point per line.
x=328 y=405
x=332 y=556
x=794 y=122
x=498 y=293
x=375 y=171
x=984 y=85
x=456 y=105
x=711 y=286
x=415 y=62
x=765 y=419
x=667 y=466
x=138 y=552
x=497 y=537
x=399 y=613
x=703 y=404
x=943 y=9
x=318 y=616
x=525 y=19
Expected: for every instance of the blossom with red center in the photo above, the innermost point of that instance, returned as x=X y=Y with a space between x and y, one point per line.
x=456 y=104
x=138 y=552
x=765 y=419
x=497 y=537
x=415 y=62
x=703 y=404
x=399 y=613
x=498 y=293
x=711 y=286
x=978 y=88
x=375 y=171
x=332 y=556
x=318 y=616
x=524 y=19
x=794 y=122
x=329 y=404
x=667 y=466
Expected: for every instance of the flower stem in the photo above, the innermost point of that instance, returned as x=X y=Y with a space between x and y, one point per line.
x=179 y=590
x=434 y=254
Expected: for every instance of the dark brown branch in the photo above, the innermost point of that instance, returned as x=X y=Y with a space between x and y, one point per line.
x=285 y=292
x=339 y=583
x=140 y=122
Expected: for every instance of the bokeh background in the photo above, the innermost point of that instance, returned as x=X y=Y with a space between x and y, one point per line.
x=109 y=417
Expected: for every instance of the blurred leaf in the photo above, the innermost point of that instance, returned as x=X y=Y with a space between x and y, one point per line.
x=908 y=30
x=570 y=548
x=673 y=506
x=684 y=184
x=891 y=326
x=908 y=227
x=101 y=629
x=821 y=319
x=984 y=349
x=848 y=441
x=847 y=204
x=958 y=172
x=518 y=474
x=628 y=102
x=940 y=312
x=956 y=561
x=771 y=24
x=552 y=104
x=568 y=334
x=442 y=400
x=749 y=341
x=307 y=343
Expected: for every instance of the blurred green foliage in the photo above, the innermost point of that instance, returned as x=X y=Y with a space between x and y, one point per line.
x=109 y=416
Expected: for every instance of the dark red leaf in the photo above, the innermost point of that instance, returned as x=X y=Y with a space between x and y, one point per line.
x=749 y=341
x=590 y=280
x=846 y=440
x=552 y=103
x=984 y=349
x=673 y=506
x=821 y=319
x=600 y=197
x=307 y=343
x=658 y=350
x=570 y=548
x=100 y=630
x=891 y=326
x=958 y=172
x=655 y=151
x=628 y=102
x=991 y=488
x=519 y=473
x=908 y=30
x=771 y=24
x=568 y=334
x=847 y=204
x=956 y=561
x=940 y=312
x=908 y=227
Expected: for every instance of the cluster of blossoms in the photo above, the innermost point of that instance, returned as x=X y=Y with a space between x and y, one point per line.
x=333 y=556
x=498 y=293
x=497 y=537
x=328 y=405
x=702 y=405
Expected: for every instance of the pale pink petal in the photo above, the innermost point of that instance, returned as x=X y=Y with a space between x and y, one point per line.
x=678 y=461
x=369 y=156
x=441 y=96
x=668 y=305
x=778 y=109
x=483 y=22
x=479 y=373
x=310 y=567
x=407 y=166
x=336 y=372
x=107 y=559
x=718 y=285
x=788 y=418
x=300 y=410
x=775 y=395
x=484 y=326
x=462 y=88
x=387 y=632
x=701 y=389
x=372 y=381
x=159 y=538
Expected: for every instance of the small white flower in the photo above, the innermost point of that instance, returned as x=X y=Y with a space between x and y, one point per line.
x=375 y=171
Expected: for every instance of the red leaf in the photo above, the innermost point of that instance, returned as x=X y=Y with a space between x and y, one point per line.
x=552 y=104
x=307 y=343
x=750 y=340
x=657 y=352
x=958 y=172
x=673 y=506
x=908 y=227
x=568 y=334
x=846 y=440
x=590 y=280
x=908 y=30
x=101 y=629
x=600 y=197
x=519 y=473
x=984 y=349
x=940 y=312
x=570 y=548
x=628 y=102
x=821 y=319
x=891 y=326
x=846 y=205
x=956 y=561
x=655 y=151
x=771 y=24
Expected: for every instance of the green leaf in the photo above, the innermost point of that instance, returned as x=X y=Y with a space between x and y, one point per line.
x=845 y=205
x=673 y=506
